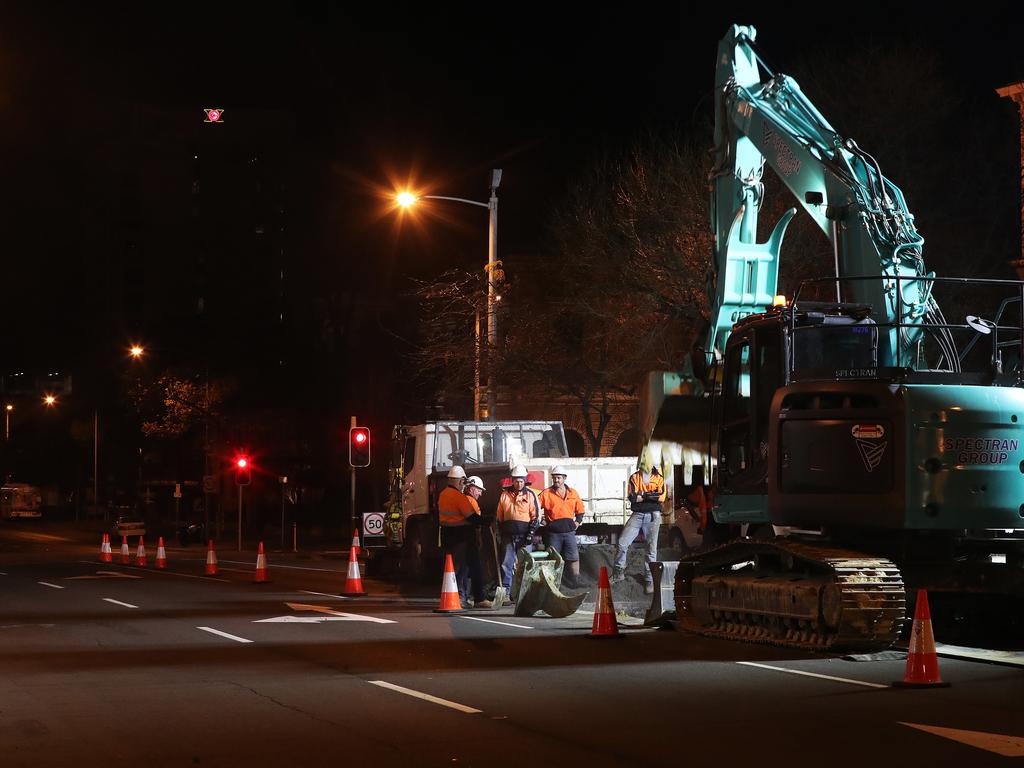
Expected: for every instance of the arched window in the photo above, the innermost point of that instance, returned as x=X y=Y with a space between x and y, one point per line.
x=628 y=443
x=575 y=443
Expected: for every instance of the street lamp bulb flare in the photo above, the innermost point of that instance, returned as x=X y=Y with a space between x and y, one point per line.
x=50 y=400
x=136 y=350
x=405 y=199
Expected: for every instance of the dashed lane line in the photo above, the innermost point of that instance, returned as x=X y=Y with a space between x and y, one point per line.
x=426 y=697
x=161 y=571
x=48 y=584
x=213 y=631
x=324 y=594
x=118 y=602
x=492 y=621
x=812 y=674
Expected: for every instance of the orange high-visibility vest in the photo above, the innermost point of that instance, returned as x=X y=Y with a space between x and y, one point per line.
x=557 y=508
x=453 y=507
x=656 y=483
x=522 y=506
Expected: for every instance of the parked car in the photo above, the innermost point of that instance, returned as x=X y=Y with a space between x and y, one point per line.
x=128 y=525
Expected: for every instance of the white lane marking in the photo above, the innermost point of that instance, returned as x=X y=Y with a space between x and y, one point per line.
x=161 y=571
x=426 y=697
x=1007 y=746
x=224 y=634
x=812 y=674
x=118 y=602
x=2 y=573
x=324 y=594
x=48 y=584
x=492 y=621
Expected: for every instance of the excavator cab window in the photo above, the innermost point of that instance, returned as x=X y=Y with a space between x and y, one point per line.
x=737 y=412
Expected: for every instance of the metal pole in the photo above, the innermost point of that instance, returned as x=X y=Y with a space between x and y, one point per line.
x=352 y=474
x=96 y=462
x=7 y=423
x=476 y=370
x=240 y=489
x=492 y=315
x=282 y=515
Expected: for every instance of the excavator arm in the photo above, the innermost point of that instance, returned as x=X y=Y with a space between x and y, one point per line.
x=762 y=118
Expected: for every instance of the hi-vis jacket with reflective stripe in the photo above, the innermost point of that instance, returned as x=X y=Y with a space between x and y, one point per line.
x=655 y=483
x=557 y=508
x=453 y=507
x=522 y=507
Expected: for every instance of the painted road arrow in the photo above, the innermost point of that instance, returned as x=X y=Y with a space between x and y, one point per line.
x=330 y=615
x=1007 y=746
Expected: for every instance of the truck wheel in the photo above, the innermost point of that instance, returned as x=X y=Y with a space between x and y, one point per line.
x=411 y=565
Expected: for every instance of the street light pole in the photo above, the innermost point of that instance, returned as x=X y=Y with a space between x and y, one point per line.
x=406 y=199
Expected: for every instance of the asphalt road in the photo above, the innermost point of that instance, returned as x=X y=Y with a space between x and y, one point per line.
x=103 y=664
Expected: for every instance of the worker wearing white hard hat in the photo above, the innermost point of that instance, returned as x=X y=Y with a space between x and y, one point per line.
x=457 y=513
x=563 y=514
x=518 y=517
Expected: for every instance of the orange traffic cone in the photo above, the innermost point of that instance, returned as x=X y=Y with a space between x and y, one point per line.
x=126 y=558
x=140 y=554
x=161 y=554
x=354 y=583
x=355 y=540
x=450 y=602
x=922 y=661
x=261 y=567
x=604 y=617
x=106 y=556
x=211 y=561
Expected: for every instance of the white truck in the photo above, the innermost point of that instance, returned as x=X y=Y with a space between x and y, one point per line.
x=423 y=454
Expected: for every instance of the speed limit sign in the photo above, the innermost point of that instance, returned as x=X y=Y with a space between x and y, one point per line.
x=373 y=524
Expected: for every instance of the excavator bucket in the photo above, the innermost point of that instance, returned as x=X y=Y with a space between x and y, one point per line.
x=535 y=585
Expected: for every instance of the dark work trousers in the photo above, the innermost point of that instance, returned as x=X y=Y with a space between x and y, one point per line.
x=459 y=541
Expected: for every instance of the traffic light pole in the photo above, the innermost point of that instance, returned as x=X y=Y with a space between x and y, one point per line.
x=352 y=473
x=241 y=488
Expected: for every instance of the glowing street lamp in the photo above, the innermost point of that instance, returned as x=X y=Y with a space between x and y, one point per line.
x=7 y=421
x=50 y=401
x=406 y=200
x=136 y=351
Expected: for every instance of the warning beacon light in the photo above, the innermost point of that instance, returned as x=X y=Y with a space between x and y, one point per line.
x=359 y=447
x=243 y=470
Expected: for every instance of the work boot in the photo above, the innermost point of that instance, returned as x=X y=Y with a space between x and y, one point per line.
x=618 y=574
x=483 y=604
x=649 y=589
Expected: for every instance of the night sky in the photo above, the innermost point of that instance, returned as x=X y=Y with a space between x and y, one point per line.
x=432 y=95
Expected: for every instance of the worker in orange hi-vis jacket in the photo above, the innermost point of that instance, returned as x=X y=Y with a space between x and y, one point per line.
x=563 y=514
x=646 y=498
x=518 y=517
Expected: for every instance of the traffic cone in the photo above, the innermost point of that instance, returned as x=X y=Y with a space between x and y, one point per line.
x=354 y=583
x=106 y=556
x=922 y=661
x=355 y=540
x=604 y=617
x=261 y=567
x=161 y=554
x=450 y=602
x=140 y=554
x=126 y=558
x=211 y=561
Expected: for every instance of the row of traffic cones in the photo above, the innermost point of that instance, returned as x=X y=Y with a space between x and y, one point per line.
x=107 y=556
x=353 y=582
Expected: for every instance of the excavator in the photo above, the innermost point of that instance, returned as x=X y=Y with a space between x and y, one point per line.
x=865 y=445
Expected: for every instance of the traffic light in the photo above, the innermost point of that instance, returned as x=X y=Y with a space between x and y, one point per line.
x=359 y=447
x=243 y=471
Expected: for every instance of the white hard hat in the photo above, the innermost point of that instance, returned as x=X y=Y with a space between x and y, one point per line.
x=558 y=469
x=456 y=472
x=474 y=480
x=519 y=471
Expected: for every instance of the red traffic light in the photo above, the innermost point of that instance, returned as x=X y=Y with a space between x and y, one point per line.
x=359 y=447
x=243 y=470
x=215 y=115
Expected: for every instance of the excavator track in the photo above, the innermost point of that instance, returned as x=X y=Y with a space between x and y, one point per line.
x=792 y=594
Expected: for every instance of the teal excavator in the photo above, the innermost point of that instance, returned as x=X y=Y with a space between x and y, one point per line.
x=869 y=443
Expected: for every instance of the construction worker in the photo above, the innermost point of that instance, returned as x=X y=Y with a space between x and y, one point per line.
x=646 y=496
x=518 y=517
x=563 y=514
x=457 y=513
